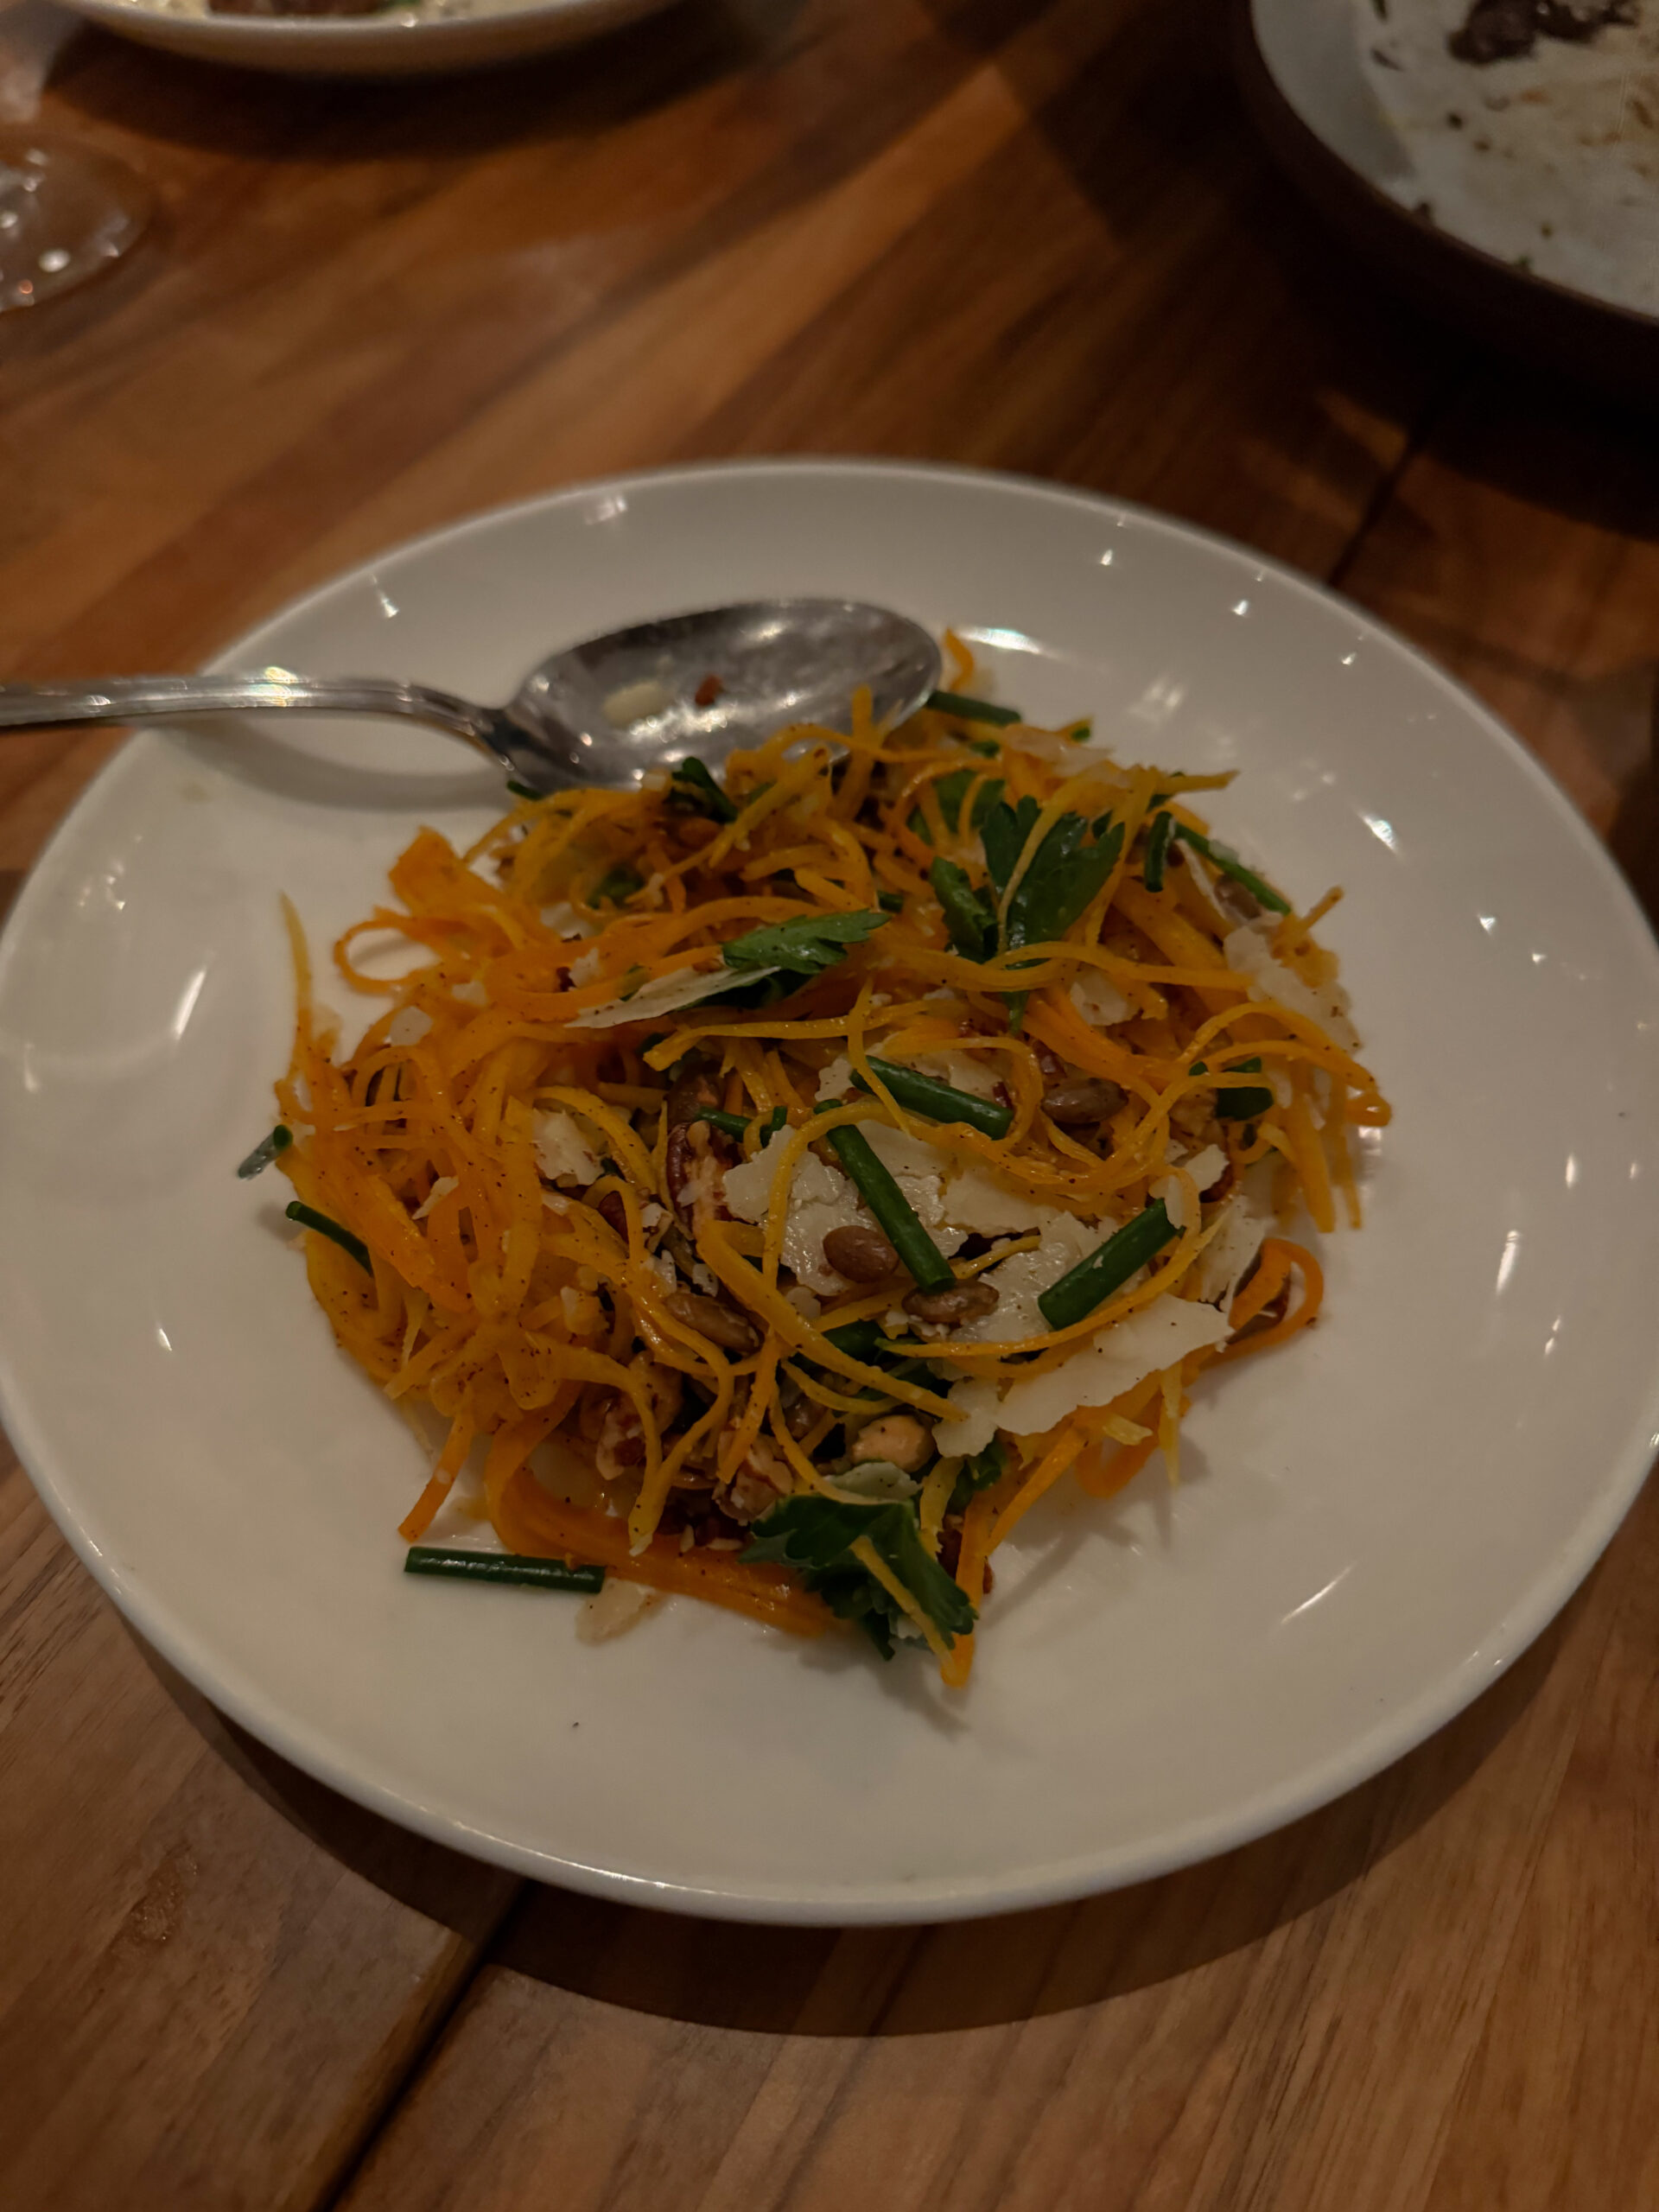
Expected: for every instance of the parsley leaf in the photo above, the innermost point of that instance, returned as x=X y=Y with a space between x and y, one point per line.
x=1062 y=877
x=694 y=790
x=970 y=921
x=1064 y=874
x=616 y=884
x=951 y=790
x=978 y=1473
x=814 y=1535
x=806 y=946
x=1003 y=833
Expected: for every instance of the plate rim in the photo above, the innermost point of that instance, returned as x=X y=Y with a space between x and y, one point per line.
x=948 y=1897
x=233 y=32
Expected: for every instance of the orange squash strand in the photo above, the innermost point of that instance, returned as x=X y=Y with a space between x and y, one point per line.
x=498 y=1138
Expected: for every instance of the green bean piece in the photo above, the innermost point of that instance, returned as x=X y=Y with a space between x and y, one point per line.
x=858 y=1339
x=262 y=1153
x=892 y=1210
x=1239 y=1102
x=731 y=1125
x=462 y=1565
x=1157 y=847
x=1231 y=864
x=1093 y=1282
x=940 y=1102
x=969 y=923
x=308 y=1217
x=971 y=710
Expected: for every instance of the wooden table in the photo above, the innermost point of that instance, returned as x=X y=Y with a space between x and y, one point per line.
x=1032 y=233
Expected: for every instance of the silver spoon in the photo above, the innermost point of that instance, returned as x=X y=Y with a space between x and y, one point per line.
x=603 y=712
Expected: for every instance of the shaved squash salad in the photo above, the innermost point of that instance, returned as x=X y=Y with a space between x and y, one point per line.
x=767 y=1186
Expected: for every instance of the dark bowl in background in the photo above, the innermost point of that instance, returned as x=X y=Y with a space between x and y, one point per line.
x=1611 y=351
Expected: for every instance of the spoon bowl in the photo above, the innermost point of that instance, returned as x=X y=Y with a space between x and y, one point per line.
x=611 y=710
x=607 y=711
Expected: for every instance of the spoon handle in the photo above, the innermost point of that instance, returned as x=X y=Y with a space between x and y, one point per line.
x=161 y=698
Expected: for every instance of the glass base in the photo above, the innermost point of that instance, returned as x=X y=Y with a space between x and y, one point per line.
x=66 y=214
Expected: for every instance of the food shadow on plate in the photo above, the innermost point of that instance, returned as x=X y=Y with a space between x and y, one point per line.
x=1062 y=1526
x=909 y=1678
x=924 y=1980
x=242 y=747
x=832 y=1982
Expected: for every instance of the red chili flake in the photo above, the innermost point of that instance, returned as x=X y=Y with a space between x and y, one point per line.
x=709 y=689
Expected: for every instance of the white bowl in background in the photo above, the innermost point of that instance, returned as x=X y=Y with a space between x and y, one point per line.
x=397 y=42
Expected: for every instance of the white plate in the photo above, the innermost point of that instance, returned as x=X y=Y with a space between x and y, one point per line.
x=413 y=42
x=1372 y=1524
x=1546 y=162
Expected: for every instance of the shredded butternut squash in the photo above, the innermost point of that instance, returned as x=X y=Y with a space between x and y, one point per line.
x=737 y=1170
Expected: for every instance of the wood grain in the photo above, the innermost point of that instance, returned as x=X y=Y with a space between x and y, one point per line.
x=214 y=1974
x=1027 y=233
x=1238 y=2035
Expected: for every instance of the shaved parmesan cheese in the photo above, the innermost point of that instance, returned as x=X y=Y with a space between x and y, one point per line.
x=618 y=1606
x=873 y=1482
x=408 y=1026
x=820 y=1198
x=962 y=1070
x=1209 y=1166
x=919 y=1168
x=1065 y=753
x=563 y=1153
x=471 y=993
x=1244 y=1223
x=971 y=1423
x=440 y=1190
x=1020 y=1280
x=1113 y=1361
x=1097 y=1000
x=585 y=970
x=987 y=1204
x=681 y=986
x=1247 y=951
x=564 y=921
x=1174 y=1196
